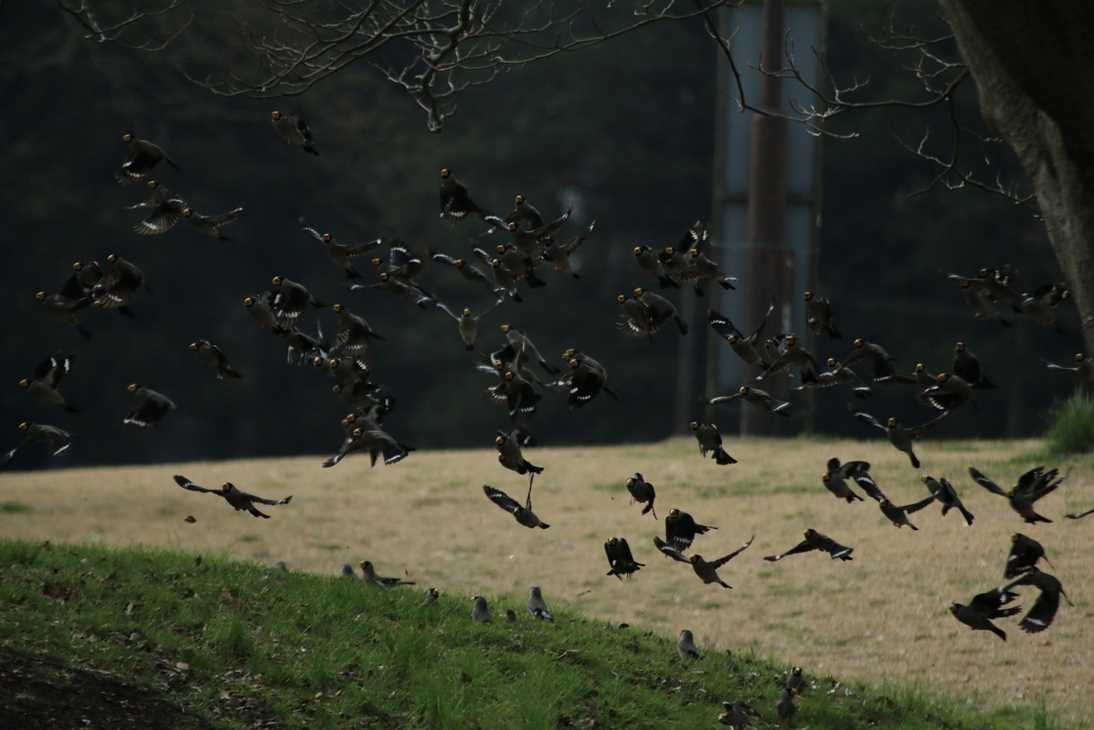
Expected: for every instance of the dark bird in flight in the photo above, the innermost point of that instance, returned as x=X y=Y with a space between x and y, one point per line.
x=1032 y=486
x=294 y=131
x=240 y=500
x=522 y=514
x=816 y=541
x=620 y=559
x=984 y=607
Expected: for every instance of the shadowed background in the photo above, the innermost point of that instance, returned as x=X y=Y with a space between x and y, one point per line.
x=623 y=132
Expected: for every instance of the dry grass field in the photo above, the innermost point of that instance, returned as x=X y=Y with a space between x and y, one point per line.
x=882 y=617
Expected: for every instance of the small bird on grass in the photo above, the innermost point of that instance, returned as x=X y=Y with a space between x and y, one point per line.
x=381 y=581
x=480 y=611
x=685 y=646
x=537 y=606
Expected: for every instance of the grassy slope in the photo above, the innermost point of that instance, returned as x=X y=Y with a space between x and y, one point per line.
x=236 y=643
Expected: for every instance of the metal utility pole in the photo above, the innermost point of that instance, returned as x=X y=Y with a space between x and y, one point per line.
x=770 y=264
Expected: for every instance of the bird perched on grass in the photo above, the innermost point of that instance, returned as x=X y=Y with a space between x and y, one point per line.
x=985 y=607
x=44 y=383
x=293 y=131
x=215 y=358
x=510 y=455
x=708 y=571
x=537 y=606
x=815 y=541
x=57 y=439
x=620 y=559
x=141 y=158
x=898 y=514
x=795 y=680
x=710 y=442
x=523 y=514
x=901 y=436
x=757 y=397
x=1023 y=556
x=150 y=407
x=737 y=715
x=381 y=581
x=431 y=596
x=1044 y=609
x=1032 y=486
x=943 y=491
x=480 y=611
x=238 y=499
x=685 y=646
x=785 y=707
x=642 y=491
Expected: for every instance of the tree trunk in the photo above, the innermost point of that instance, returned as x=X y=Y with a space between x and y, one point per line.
x=1032 y=65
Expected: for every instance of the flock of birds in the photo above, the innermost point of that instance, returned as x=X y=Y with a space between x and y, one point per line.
x=521 y=376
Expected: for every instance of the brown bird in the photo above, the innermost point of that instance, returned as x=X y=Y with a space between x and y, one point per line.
x=681 y=529
x=240 y=500
x=710 y=442
x=901 y=436
x=1023 y=556
x=708 y=571
x=642 y=491
x=522 y=514
x=1032 y=486
x=898 y=515
x=1044 y=609
x=815 y=541
x=756 y=397
x=984 y=607
x=943 y=491
x=620 y=559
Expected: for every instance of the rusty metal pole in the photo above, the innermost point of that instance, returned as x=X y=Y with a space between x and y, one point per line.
x=770 y=273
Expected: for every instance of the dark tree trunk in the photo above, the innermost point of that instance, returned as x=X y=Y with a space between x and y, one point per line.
x=1034 y=66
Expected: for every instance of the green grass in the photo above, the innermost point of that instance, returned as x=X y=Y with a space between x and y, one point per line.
x=232 y=643
x=14 y=507
x=1072 y=429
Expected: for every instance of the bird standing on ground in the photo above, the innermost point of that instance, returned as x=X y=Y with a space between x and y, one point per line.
x=685 y=646
x=480 y=611
x=537 y=606
x=381 y=581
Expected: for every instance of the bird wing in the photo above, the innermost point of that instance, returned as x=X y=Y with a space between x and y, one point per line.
x=922 y=428
x=830 y=546
x=725 y=559
x=722 y=325
x=669 y=551
x=1054 y=366
x=916 y=506
x=724 y=398
x=983 y=481
x=1079 y=515
x=444 y=258
x=314 y=234
x=501 y=499
x=867 y=418
x=624 y=551
x=1042 y=613
x=187 y=484
x=763 y=322
x=444 y=308
x=854 y=469
x=802 y=547
x=988 y=602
